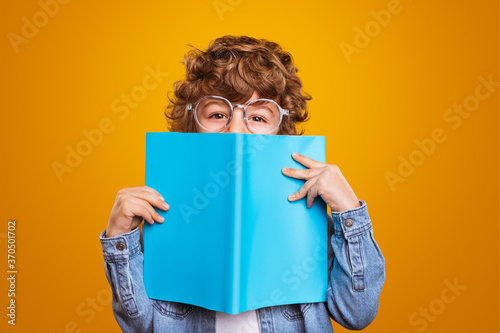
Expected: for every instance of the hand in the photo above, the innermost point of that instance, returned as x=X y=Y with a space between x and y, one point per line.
x=131 y=206
x=324 y=180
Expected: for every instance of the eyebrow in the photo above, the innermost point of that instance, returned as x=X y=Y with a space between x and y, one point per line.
x=265 y=107
x=223 y=103
x=263 y=104
x=216 y=102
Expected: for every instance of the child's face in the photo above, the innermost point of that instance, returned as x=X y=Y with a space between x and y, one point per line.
x=237 y=123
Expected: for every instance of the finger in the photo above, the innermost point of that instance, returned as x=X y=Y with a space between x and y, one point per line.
x=145 y=210
x=149 y=189
x=148 y=194
x=302 y=192
x=157 y=217
x=140 y=211
x=311 y=195
x=301 y=173
x=306 y=161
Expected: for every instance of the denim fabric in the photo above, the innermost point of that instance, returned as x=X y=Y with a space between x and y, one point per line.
x=356 y=277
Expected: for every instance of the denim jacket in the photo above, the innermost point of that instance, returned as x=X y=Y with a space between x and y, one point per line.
x=356 y=275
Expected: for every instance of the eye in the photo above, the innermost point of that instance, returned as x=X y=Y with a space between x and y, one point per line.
x=259 y=119
x=218 y=115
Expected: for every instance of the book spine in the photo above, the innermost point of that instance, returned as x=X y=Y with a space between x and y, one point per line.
x=236 y=259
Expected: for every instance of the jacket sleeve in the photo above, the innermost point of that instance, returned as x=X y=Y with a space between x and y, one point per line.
x=356 y=268
x=123 y=264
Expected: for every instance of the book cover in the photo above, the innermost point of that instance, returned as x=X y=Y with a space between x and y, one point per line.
x=231 y=240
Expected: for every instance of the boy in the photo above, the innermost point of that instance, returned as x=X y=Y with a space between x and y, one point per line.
x=224 y=91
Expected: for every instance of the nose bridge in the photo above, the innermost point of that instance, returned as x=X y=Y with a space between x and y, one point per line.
x=237 y=123
x=241 y=106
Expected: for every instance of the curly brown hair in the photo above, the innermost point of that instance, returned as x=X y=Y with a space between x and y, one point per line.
x=234 y=67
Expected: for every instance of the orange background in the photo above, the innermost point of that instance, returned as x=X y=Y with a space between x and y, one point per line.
x=440 y=223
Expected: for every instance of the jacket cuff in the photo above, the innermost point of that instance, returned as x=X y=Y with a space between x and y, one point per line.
x=120 y=247
x=352 y=222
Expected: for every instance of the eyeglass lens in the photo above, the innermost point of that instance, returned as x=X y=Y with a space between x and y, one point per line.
x=262 y=116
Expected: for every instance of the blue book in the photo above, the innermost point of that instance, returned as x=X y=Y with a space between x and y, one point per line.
x=231 y=240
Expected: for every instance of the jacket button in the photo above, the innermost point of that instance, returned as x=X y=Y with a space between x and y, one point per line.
x=120 y=246
x=348 y=223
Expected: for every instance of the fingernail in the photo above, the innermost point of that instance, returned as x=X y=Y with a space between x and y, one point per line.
x=295 y=154
x=292 y=196
x=161 y=218
x=286 y=169
x=166 y=205
x=161 y=198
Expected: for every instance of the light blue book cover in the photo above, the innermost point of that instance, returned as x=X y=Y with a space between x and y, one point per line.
x=231 y=241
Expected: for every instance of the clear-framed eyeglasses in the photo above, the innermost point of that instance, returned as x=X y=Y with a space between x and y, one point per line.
x=261 y=115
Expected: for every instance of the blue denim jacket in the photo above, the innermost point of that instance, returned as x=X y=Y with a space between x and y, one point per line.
x=356 y=275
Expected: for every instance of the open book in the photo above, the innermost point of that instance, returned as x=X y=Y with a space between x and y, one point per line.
x=231 y=241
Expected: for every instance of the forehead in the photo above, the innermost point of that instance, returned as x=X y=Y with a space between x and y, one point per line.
x=255 y=95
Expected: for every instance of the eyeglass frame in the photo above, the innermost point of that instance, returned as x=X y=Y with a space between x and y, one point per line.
x=241 y=106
